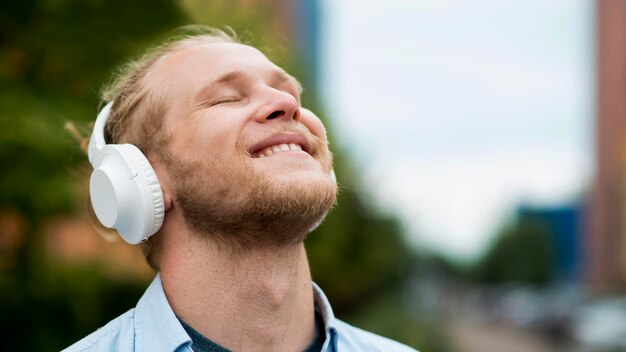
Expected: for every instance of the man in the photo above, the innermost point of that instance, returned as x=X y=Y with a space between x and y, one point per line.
x=239 y=173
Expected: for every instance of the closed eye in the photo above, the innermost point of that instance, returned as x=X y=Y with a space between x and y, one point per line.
x=224 y=100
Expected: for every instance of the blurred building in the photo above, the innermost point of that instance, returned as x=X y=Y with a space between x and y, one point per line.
x=606 y=243
x=566 y=227
x=299 y=21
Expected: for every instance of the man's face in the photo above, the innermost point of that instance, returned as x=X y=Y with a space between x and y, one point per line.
x=244 y=157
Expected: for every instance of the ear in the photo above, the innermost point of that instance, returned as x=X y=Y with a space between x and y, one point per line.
x=164 y=178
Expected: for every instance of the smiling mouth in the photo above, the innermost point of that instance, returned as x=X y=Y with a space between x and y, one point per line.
x=292 y=143
x=279 y=148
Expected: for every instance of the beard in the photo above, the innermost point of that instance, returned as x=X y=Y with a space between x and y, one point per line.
x=234 y=205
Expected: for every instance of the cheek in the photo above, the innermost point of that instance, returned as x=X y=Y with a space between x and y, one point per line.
x=216 y=135
x=316 y=127
x=197 y=141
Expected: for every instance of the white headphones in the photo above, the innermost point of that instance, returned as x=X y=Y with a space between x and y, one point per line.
x=125 y=193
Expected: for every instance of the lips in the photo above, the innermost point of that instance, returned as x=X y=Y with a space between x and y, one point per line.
x=282 y=142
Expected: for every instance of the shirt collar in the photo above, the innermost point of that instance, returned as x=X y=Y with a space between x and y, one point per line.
x=323 y=307
x=156 y=325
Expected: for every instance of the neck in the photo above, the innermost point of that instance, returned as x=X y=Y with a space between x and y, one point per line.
x=256 y=300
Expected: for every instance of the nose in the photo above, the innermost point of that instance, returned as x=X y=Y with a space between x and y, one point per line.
x=278 y=105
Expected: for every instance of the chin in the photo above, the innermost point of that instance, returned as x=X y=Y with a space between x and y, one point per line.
x=255 y=204
x=306 y=179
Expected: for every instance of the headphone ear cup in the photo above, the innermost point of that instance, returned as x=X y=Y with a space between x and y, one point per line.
x=151 y=189
x=125 y=192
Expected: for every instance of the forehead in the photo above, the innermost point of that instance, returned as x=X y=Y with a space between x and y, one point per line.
x=221 y=53
x=189 y=68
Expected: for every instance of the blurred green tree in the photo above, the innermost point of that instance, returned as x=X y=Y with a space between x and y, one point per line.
x=54 y=54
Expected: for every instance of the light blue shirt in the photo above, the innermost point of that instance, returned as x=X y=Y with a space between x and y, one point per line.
x=152 y=326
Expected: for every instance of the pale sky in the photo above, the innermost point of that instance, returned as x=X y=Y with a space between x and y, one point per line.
x=458 y=111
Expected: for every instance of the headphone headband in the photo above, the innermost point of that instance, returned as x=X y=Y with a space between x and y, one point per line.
x=97 y=142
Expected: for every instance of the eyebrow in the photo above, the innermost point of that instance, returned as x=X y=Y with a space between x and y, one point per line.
x=278 y=76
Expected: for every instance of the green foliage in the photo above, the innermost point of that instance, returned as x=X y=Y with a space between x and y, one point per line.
x=522 y=253
x=63 y=48
x=54 y=56
x=35 y=155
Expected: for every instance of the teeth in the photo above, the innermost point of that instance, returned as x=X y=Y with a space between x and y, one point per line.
x=271 y=150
